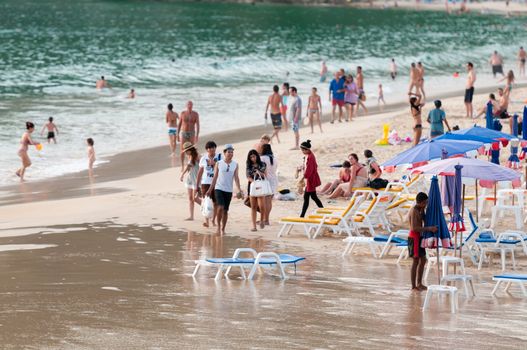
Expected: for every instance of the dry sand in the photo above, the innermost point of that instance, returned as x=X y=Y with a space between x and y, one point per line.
x=352 y=302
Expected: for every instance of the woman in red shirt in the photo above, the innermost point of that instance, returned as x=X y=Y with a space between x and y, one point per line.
x=311 y=176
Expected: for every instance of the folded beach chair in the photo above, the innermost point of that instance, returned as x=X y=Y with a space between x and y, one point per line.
x=253 y=262
x=337 y=221
x=379 y=244
x=510 y=279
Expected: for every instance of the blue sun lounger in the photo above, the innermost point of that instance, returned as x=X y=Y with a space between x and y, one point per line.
x=257 y=260
x=510 y=279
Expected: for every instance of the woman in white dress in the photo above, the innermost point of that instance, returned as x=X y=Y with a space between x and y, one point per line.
x=271 y=175
x=191 y=181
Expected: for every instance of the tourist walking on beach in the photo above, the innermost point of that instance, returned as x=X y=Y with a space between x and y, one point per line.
x=25 y=141
x=314 y=109
x=421 y=79
x=336 y=95
x=171 y=118
x=294 y=108
x=323 y=72
x=311 y=177
x=416 y=252
x=52 y=128
x=271 y=174
x=469 y=89
x=380 y=98
x=496 y=62
x=188 y=128
x=91 y=155
x=362 y=94
x=522 y=56
x=255 y=170
x=275 y=102
x=225 y=173
x=414 y=79
x=415 y=108
x=436 y=118
x=351 y=96
x=191 y=181
x=283 y=107
x=206 y=174
x=393 y=69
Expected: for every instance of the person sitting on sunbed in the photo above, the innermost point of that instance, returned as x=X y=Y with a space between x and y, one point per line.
x=359 y=178
x=344 y=177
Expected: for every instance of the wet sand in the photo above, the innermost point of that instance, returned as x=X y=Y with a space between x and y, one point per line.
x=112 y=286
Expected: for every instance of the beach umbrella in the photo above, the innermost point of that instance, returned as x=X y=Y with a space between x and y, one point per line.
x=456 y=222
x=434 y=217
x=524 y=133
x=514 y=162
x=447 y=187
x=486 y=133
x=495 y=153
x=432 y=149
x=515 y=125
x=463 y=137
x=489 y=118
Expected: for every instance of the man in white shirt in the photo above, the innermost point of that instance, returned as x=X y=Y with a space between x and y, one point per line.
x=294 y=108
x=206 y=174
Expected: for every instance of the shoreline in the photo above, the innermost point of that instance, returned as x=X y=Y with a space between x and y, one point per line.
x=136 y=163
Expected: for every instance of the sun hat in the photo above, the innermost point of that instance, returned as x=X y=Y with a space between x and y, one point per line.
x=187 y=146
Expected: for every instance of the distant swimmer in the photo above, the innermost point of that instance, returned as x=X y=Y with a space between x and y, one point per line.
x=275 y=102
x=91 y=155
x=393 y=69
x=52 y=128
x=188 y=128
x=102 y=83
x=25 y=141
x=362 y=94
x=131 y=94
x=172 y=119
x=469 y=89
x=421 y=80
x=314 y=109
x=323 y=72
x=496 y=61
x=522 y=55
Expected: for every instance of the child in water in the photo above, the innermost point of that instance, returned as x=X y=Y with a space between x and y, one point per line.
x=52 y=128
x=91 y=156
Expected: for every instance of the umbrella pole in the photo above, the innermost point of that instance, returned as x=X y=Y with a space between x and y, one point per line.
x=477 y=201
x=462 y=218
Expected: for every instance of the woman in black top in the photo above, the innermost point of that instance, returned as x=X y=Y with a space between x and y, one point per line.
x=256 y=171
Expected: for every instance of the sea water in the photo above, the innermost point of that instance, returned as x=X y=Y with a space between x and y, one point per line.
x=224 y=57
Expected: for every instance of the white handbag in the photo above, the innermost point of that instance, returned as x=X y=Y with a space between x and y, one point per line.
x=260 y=188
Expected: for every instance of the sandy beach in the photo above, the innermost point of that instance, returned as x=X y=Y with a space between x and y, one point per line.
x=87 y=254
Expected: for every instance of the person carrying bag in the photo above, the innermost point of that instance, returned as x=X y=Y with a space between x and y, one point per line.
x=258 y=187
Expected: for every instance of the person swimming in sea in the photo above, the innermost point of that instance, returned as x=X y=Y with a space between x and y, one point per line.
x=52 y=128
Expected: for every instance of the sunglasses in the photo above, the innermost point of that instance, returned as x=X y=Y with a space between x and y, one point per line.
x=228 y=168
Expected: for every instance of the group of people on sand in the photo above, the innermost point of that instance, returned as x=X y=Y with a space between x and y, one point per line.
x=346 y=92
x=183 y=127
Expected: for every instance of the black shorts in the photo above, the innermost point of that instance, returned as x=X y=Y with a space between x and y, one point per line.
x=223 y=199
x=51 y=135
x=469 y=94
x=204 y=189
x=522 y=60
x=393 y=75
x=502 y=114
x=497 y=69
x=414 y=248
x=276 y=119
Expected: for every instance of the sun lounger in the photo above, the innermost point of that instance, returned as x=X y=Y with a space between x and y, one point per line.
x=254 y=262
x=398 y=238
x=510 y=279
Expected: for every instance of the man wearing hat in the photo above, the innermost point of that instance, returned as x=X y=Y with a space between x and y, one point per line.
x=225 y=174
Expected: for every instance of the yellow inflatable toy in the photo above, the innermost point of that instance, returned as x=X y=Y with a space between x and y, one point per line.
x=385 y=132
x=39 y=147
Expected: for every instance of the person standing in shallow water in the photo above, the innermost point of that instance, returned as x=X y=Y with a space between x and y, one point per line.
x=25 y=141
x=188 y=128
x=311 y=177
x=417 y=253
x=171 y=118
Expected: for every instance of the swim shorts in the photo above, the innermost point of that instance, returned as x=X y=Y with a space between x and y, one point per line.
x=522 y=60
x=51 y=135
x=498 y=68
x=336 y=102
x=276 y=119
x=187 y=135
x=295 y=126
x=172 y=131
x=469 y=94
x=414 y=247
x=223 y=199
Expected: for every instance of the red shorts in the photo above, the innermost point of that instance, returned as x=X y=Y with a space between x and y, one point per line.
x=339 y=103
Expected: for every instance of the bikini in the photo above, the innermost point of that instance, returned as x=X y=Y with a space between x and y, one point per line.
x=418 y=109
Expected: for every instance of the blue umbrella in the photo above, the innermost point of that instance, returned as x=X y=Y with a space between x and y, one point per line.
x=464 y=137
x=484 y=132
x=489 y=118
x=434 y=217
x=457 y=218
x=432 y=149
x=515 y=125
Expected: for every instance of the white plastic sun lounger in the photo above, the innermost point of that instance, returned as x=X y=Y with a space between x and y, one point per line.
x=254 y=262
x=509 y=279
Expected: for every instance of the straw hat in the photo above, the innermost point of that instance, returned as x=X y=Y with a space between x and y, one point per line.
x=187 y=146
